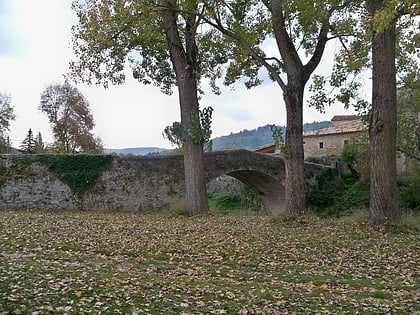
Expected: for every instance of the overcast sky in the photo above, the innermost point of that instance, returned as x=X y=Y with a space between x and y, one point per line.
x=35 y=51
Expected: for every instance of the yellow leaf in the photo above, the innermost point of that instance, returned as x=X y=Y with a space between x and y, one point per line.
x=230 y=295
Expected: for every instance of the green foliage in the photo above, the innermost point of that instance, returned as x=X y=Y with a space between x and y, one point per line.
x=199 y=127
x=174 y=134
x=337 y=195
x=69 y=115
x=6 y=113
x=80 y=172
x=408 y=134
x=356 y=196
x=356 y=154
x=277 y=135
x=39 y=144
x=231 y=196
x=4 y=145
x=16 y=168
x=224 y=202
x=111 y=34
x=409 y=191
x=6 y=116
x=28 y=144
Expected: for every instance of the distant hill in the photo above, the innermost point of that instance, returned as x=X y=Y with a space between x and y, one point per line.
x=135 y=151
x=251 y=139
x=245 y=139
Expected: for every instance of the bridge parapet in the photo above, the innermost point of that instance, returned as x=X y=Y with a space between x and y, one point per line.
x=135 y=183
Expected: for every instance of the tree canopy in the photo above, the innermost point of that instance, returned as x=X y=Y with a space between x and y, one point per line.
x=162 y=43
x=70 y=118
x=287 y=39
x=28 y=144
x=6 y=113
x=6 y=116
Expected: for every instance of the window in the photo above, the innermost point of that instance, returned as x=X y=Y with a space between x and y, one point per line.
x=321 y=145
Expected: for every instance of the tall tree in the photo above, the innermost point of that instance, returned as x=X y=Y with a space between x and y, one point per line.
x=39 y=144
x=160 y=41
x=382 y=23
x=173 y=133
x=383 y=121
x=6 y=116
x=383 y=16
x=301 y=30
x=70 y=118
x=28 y=144
x=183 y=52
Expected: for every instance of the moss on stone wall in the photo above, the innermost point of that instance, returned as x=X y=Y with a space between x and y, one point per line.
x=17 y=168
x=80 y=172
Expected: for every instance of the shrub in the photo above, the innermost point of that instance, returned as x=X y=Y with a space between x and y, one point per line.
x=336 y=195
x=409 y=192
x=224 y=202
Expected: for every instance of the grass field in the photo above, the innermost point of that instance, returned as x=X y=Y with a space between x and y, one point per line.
x=121 y=263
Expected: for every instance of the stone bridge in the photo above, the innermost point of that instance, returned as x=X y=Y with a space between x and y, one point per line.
x=264 y=173
x=136 y=183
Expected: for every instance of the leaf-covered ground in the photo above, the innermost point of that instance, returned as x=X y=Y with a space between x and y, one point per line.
x=119 y=263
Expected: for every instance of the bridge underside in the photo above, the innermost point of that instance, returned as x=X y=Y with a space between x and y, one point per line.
x=270 y=189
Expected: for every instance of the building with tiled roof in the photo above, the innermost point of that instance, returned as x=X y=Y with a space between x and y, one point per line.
x=331 y=140
x=327 y=141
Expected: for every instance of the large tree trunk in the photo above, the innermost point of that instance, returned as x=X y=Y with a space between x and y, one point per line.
x=195 y=185
x=184 y=62
x=293 y=155
x=383 y=126
x=297 y=76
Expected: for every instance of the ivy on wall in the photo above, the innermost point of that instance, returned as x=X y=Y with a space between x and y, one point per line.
x=17 y=169
x=80 y=172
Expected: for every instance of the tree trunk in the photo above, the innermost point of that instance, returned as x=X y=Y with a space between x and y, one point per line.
x=293 y=155
x=195 y=185
x=383 y=126
x=184 y=62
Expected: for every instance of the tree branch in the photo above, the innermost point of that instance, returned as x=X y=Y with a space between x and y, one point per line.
x=412 y=156
x=288 y=52
x=217 y=24
x=309 y=68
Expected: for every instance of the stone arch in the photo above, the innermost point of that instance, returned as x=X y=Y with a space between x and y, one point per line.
x=270 y=189
x=261 y=172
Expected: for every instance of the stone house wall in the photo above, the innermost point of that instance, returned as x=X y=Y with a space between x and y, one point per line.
x=330 y=141
x=325 y=145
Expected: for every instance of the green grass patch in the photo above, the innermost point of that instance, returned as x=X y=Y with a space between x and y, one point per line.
x=110 y=263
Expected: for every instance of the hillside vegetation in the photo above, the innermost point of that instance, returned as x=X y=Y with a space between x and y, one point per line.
x=251 y=139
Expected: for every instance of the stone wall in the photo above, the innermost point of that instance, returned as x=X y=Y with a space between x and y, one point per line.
x=332 y=144
x=132 y=184
x=136 y=183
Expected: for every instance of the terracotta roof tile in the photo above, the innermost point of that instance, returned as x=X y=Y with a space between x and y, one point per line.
x=348 y=127
x=345 y=117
